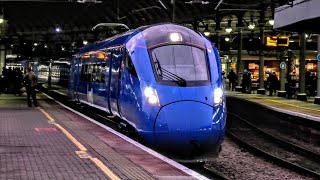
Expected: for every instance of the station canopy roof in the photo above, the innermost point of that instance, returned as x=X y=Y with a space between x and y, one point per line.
x=300 y=16
x=41 y=16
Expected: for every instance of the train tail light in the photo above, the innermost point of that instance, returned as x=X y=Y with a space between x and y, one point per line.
x=152 y=97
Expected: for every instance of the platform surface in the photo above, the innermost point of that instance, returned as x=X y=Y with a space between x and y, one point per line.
x=51 y=142
x=304 y=109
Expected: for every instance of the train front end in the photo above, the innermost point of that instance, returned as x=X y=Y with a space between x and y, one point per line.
x=183 y=105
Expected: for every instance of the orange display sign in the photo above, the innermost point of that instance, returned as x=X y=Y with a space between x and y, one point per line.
x=275 y=41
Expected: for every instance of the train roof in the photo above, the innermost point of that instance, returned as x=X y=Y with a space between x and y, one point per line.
x=122 y=38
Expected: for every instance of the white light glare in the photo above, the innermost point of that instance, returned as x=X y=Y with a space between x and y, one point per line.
x=227 y=39
x=152 y=96
x=271 y=22
x=206 y=33
x=228 y=29
x=1 y=20
x=251 y=25
x=58 y=29
x=175 y=37
x=217 y=96
x=85 y=42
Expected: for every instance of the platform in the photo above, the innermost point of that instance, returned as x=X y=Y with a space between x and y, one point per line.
x=303 y=109
x=52 y=142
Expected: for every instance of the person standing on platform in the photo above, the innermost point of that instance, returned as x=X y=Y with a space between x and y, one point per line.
x=272 y=82
x=232 y=80
x=30 y=81
x=246 y=82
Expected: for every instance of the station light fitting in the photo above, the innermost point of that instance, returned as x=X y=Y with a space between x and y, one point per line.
x=1 y=20
x=85 y=42
x=227 y=39
x=45 y=46
x=206 y=31
x=229 y=28
x=251 y=24
x=271 y=22
x=35 y=44
x=58 y=29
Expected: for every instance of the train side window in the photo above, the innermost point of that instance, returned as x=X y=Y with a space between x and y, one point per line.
x=129 y=65
x=83 y=76
x=103 y=69
x=90 y=76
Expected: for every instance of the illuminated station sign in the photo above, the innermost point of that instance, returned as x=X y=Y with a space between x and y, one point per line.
x=276 y=41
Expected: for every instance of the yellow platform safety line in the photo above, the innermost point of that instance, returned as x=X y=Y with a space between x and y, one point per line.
x=290 y=104
x=105 y=169
x=98 y=163
x=74 y=140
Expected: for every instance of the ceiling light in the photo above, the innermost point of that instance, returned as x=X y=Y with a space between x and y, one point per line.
x=85 y=42
x=271 y=22
x=227 y=39
x=1 y=20
x=206 y=31
x=58 y=29
x=229 y=28
x=251 y=24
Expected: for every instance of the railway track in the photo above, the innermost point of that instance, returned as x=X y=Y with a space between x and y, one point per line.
x=207 y=171
x=273 y=148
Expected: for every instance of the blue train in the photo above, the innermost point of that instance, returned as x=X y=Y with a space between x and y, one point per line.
x=162 y=80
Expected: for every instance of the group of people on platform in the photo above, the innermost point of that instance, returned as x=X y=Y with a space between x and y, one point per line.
x=311 y=82
x=272 y=82
x=12 y=81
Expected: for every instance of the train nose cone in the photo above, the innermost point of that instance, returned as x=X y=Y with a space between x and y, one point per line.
x=186 y=126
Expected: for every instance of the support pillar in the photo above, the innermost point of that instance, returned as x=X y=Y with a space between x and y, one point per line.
x=261 y=89
x=240 y=65
x=218 y=29
x=317 y=99
x=49 y=75
x=302 y=69
x=282 y=91
x=2 y=57
x=173 y=10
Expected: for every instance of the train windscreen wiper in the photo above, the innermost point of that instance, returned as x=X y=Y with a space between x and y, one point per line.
x=168 y=75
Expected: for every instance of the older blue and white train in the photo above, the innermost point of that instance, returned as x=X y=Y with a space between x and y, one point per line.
x=162 y=80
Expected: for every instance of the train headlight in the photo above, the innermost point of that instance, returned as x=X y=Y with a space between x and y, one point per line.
x=152 y=96
x=217 y=96
x=175 y=37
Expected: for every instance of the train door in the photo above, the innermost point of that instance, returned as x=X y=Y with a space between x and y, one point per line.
x=90 y=83
x=99 y=86
x=114 y=80
x=72 y=80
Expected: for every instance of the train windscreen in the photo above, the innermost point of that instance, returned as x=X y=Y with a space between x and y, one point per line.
x=181 y=63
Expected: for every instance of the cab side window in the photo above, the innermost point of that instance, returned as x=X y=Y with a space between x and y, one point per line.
x=129 y=65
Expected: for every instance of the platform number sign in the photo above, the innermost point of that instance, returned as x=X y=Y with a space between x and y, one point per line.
x=318 y=57
x=283 y=65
